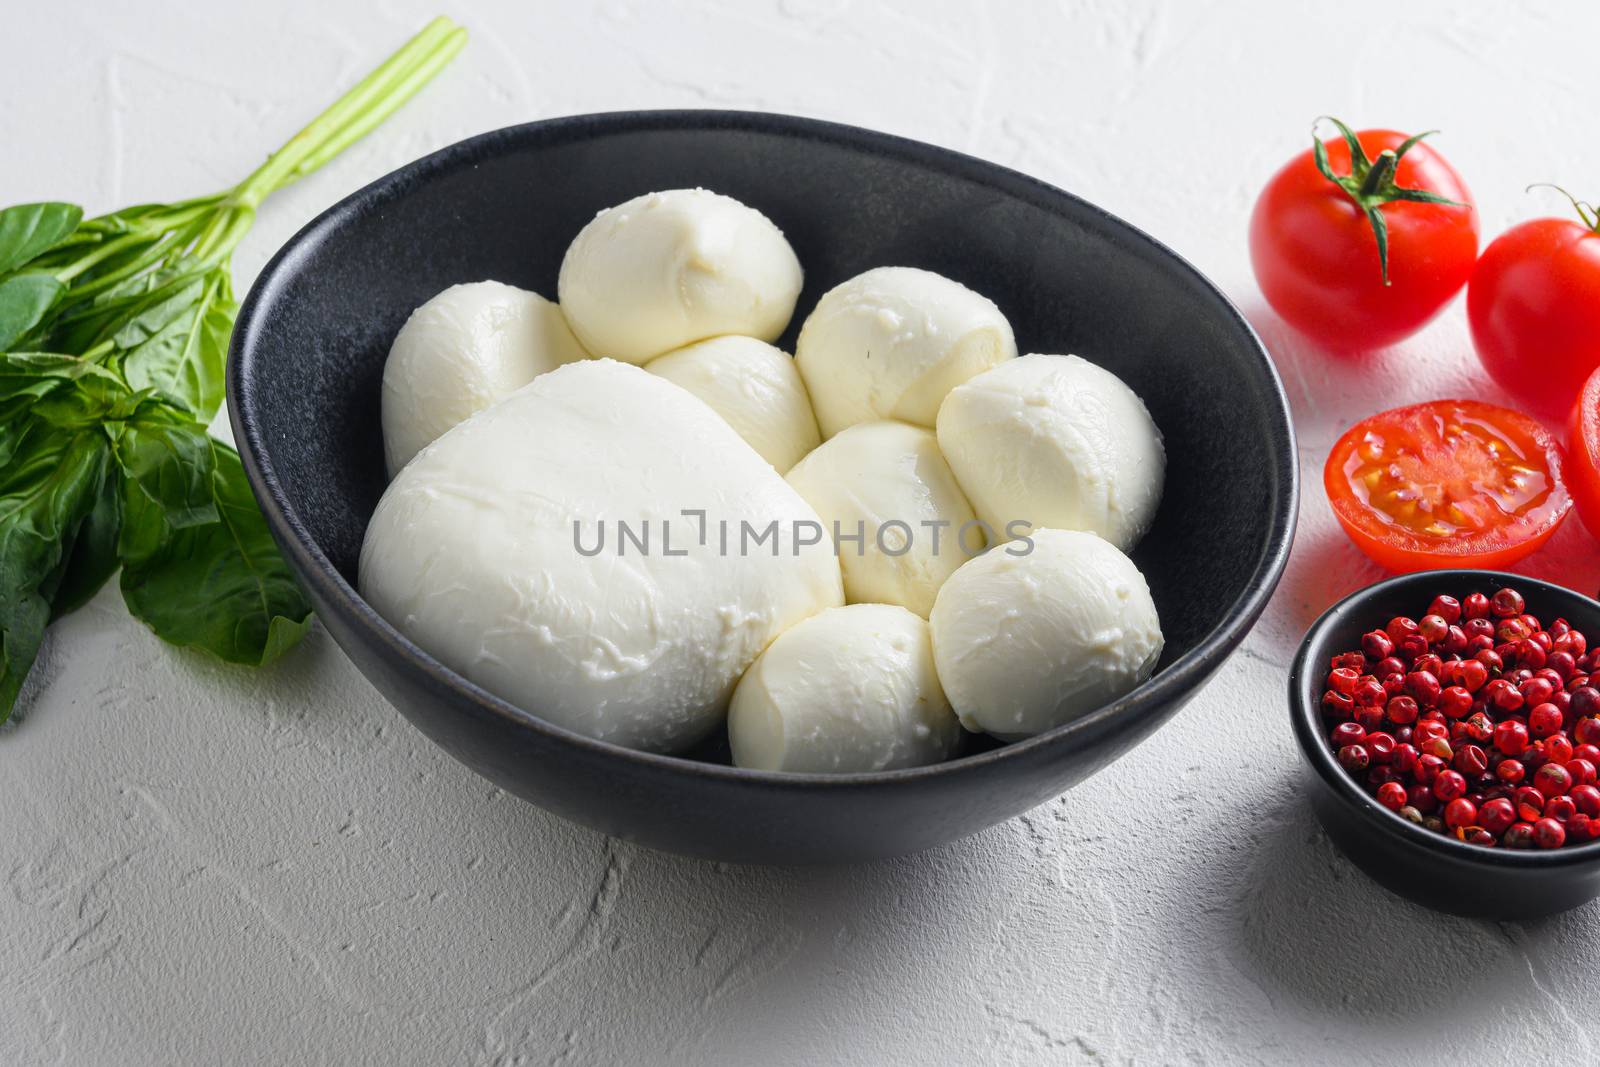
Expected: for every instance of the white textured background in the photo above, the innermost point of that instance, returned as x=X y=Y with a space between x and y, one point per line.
x=207 y=865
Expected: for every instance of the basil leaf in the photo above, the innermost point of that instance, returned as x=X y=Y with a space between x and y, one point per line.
x=68 y=392
x=27 y=376
x=205 y=369
x=85 y=324
x=44 y=496
x=167 y=458
x=21 y=435
x=179 y=348
x=220 y=586
x=24 y=300
x=152 y=320
x=28 y=229
x=93 y=557
x=14 y=424
x=34 y=374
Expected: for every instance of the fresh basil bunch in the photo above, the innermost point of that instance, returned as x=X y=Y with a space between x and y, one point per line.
x=113 y=343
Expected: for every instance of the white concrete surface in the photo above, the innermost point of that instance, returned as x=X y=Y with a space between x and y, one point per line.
x=204 y=865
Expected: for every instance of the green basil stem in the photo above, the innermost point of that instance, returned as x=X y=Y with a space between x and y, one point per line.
x=352 y=116
x=382 y=91
x=423 y=72
x=210 y=227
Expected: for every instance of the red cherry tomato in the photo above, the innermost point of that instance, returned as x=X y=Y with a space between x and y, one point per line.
x=1316 y=254
x=1534 y=306
x=1583 y=450
x=1452 y=483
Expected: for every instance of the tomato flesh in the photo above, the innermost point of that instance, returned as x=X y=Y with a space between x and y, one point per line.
x=1316 y=258
x=1583 y=446
x=1452 y=483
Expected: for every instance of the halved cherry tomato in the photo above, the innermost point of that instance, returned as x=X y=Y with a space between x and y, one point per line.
x=1314 y=238
x=1534 y=307
x=1583 y=449
x=1452 y=483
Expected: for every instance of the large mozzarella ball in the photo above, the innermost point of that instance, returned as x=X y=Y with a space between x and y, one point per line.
x=886 y=482
x=1025 y=643
x=467 y=348
x=483 y=551
x=665 y=269
x=752 y=385
x=890 y=343
x=852 y=689
x=1057 y=442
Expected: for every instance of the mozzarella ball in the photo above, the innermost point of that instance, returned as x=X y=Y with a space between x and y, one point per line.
x=888 y=481
x=665 y=269
x=890 y=343
x=752 y=385
x=484 y=552
x=852 y=689
x=1058 y=442
x=1025 y=643
x=467 y=348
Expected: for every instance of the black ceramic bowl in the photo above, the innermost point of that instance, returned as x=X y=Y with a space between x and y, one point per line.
x=311 y=339
x=1431 y=868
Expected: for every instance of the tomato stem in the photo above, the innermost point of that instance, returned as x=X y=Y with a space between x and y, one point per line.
x=1371 y=183
x=1382 y=172
x=1586 y=211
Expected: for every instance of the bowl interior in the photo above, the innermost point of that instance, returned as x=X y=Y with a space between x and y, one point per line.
x=1070 y=278
x=1340 y=630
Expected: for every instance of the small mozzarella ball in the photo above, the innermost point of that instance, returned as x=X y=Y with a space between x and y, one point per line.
x=753 y=386
x=890 y=343
x=850 y=690
x=888 y=481
x=666 y=269
x=501 y=551
x=1057 y=442
x=1025 y=643
x=466 y=349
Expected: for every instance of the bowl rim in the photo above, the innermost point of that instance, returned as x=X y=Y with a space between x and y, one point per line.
x=1169 y=687
x=1306 y=716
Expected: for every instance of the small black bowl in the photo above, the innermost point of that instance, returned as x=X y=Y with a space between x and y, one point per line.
x=303 y=393
x=1431 y=868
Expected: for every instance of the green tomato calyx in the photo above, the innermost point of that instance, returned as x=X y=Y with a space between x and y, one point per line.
x=1371 y=182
